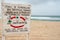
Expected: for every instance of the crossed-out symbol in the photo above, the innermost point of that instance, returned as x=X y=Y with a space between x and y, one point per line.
x=21 y=17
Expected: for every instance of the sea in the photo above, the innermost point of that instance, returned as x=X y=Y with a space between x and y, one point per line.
x=45 y=18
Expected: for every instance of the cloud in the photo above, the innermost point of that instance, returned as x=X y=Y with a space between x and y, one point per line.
x=50 y=7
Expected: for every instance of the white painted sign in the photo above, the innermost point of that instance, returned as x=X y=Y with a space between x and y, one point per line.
x=16 y=18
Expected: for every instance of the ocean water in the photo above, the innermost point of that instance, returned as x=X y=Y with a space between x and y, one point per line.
x=45 y=18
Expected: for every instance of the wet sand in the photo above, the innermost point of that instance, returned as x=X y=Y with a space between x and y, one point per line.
x=40 y=30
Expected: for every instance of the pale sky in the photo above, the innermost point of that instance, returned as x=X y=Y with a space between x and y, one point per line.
x=42 y=7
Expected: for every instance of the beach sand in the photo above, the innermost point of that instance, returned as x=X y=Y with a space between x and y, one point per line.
x=39 y=30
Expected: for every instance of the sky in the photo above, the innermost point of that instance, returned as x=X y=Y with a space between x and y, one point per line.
x=41 y=7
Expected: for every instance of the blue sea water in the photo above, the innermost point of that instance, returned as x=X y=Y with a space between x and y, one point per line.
x=46 y=18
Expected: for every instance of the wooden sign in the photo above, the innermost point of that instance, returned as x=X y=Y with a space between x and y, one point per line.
x=16 y=18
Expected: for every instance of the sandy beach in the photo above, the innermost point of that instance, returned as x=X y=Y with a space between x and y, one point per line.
x=40 y=30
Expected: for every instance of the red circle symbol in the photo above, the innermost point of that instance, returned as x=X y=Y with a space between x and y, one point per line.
x=19 y=25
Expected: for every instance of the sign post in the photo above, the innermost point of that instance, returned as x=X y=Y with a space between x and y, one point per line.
x=16 y=19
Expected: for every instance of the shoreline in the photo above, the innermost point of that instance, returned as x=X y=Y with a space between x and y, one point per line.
x=45 y=20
